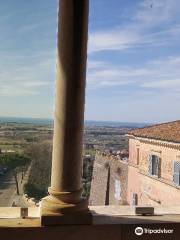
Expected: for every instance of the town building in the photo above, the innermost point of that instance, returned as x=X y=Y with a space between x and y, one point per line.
x=109 y=180
x=154 y=165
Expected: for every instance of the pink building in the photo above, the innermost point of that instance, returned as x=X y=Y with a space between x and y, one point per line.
x=154 y=165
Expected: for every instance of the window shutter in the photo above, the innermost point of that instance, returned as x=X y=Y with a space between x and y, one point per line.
x=150 y=164
x=158 y=167
x=176 y=177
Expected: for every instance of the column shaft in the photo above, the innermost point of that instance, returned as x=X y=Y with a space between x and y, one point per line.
x=70 y=95
x=65 y=190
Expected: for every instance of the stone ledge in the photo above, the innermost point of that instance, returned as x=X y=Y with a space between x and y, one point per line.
x=9 y=217
x=109 y=223
x=105 y=231
x=14 y=212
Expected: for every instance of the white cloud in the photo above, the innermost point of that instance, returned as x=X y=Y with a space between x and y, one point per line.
x=151 y=24
x=29 y=28
x=19 y=79
x=157 y=74
x=153 y=12
x=164 y=84
x=112 y=40
x=95 y=64
x=11 y=91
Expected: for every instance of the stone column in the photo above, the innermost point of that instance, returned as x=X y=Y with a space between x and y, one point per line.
x=65 y=204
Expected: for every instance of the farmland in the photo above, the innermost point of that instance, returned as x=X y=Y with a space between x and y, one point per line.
x=34 y=140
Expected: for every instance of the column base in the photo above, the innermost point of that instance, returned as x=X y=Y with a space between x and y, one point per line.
x=64 y=208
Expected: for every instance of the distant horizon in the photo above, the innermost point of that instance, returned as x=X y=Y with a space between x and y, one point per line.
x=90 y=120
x=86 y=120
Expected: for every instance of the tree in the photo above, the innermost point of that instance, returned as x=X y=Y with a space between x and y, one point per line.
x=14 y=162
x=40 y=172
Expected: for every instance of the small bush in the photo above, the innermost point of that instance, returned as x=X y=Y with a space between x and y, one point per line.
x=33 y=191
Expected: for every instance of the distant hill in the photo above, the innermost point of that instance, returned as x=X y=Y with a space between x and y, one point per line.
x=116 y=124
x=38 y=121
x=44 y=121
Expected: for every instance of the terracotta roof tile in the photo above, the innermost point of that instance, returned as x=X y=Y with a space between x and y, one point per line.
x=165 y=131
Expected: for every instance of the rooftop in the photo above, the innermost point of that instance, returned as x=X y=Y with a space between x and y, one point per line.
x=166 y=132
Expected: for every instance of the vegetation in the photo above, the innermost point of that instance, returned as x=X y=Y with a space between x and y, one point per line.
x=87 y=175
x=34 y=141
x=16 y=163
x=91 y=152
x=40 y=172
x=18 y=140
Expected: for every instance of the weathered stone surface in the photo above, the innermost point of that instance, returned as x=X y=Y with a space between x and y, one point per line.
x=109 y=190
x=109 y=222
x=99 y=184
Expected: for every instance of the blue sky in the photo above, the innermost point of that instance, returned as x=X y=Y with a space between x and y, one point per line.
x=133 y=59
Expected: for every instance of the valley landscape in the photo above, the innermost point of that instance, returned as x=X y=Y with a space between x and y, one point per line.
x=32 y=139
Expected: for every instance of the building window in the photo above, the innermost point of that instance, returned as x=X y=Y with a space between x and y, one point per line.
x=134 y=199
x=154 y=165
x=176 y=176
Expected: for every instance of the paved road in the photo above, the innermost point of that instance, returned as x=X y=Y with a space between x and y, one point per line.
x=7 y=190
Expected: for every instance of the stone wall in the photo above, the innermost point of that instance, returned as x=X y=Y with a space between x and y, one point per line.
x=109 y=181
